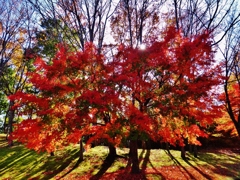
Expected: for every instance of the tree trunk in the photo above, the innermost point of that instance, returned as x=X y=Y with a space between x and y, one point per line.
x=190 y=148
x=134 y=157
x=144 y=144
x=10 y=122
x=183 y=152
x=195 y=150
x=81 y=150
x=112 y=151
x=148 y=144
x=167 y=146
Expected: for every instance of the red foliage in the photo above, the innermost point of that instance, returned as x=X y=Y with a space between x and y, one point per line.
x=164 y=92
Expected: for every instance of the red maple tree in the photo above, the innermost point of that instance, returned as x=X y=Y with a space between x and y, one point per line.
x=164 y=93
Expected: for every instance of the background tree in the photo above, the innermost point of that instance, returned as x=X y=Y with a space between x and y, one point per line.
x=228 y=53
x=222 y=19
x=11 y=21
x=86 y=21
x=194 y=16
x=231 y=68
x=3 y=106
x=15 y=33
x=136 y=22
x=47 y=39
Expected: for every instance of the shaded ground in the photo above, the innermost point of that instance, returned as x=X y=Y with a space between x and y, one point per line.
x=222 y=165
x=213 y=162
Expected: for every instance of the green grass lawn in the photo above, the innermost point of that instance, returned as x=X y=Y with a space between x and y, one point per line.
x=19 y=163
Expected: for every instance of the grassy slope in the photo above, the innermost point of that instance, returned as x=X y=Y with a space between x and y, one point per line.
x=19 y=163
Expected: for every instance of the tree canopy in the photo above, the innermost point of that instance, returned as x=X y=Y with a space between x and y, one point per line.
x=165 y=92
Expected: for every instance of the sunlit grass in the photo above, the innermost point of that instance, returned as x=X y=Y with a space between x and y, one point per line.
x=19 y=163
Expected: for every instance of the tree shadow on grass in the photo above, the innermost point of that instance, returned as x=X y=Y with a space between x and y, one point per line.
x=180 y=165
x=122 y=173
x=107 y=163
x=51 y=168
x=198 y=170
x=3 y=142
x=13 y=160
x=144 y=166
x=157 y=173
x=126 y=172
x=54 y=168
x=27 y=164
x=143 y=160
x=15 y=156
x=74 y=167
x=222 y=164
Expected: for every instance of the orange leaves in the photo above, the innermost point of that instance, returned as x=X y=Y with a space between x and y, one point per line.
x=194 y=129
x=163 y=92
x=173 y=78
x=71 y=97
x=193 y=133
x=28 y=132
x=138 y=119
x=234 y=96
x=74 y=136
x=231 y=99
